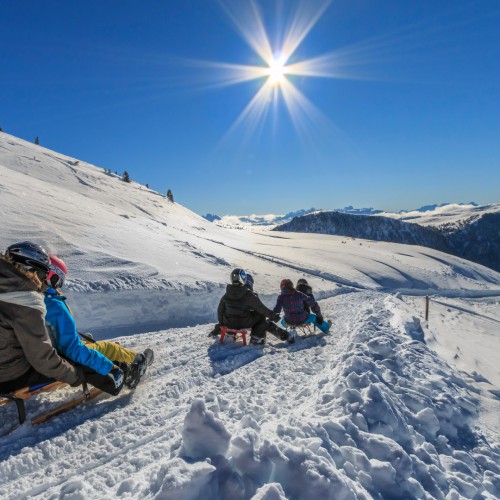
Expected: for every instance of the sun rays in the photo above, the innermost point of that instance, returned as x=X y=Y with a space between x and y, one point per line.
x=276 y=71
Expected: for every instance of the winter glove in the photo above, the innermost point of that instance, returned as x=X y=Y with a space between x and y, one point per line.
x=319 y=319
x=116 y=380
x=80 y=377
x=274 y=317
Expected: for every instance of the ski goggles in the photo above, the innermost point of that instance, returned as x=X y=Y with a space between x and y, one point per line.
x=56 y=277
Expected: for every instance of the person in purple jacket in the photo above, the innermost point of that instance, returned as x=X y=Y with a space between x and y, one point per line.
x=297 y=307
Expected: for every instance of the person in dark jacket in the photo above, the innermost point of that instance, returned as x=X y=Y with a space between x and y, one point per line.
x=241 y=308
x=27 y=355
x=304 y=287
x=297 y=306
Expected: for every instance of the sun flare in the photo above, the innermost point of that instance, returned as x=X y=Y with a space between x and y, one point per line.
x=280 y=65
x=276 y=71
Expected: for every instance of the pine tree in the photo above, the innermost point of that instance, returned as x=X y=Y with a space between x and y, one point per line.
x=170 y=196
x=125 y=177
x=37 y=142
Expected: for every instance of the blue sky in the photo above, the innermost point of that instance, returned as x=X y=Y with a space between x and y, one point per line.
x=416 y=121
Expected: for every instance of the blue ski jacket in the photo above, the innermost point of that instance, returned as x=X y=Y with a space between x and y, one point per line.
x=62 y=329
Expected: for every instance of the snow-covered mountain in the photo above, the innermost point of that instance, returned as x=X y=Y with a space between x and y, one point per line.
x=386 y=406
x=242 y=221
x=367 y=227
x=426 y=216
x=255 y=220
x=448 y=213
x=475 y=237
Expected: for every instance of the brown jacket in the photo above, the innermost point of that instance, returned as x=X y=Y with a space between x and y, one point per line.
x=24 y=341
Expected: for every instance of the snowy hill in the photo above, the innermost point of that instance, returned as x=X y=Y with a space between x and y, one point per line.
x=428 y=215
x=448 y=213
x=475 y=237
x=128 y=248
x=386 y=406
x=367 y=227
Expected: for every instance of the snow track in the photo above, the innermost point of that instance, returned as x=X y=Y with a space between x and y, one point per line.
x=364 y=412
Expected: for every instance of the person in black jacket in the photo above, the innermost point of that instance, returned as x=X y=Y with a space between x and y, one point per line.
x=241 y=308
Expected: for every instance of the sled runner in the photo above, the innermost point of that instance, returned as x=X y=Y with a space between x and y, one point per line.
x=236 y=334
x=18 y=397
x=303 y=331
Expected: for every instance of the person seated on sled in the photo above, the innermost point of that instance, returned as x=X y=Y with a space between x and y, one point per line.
x=27 y=356
x=304 y=287
x=100 y=356
x=271 y=327
x=297 y=307
x=241 y=308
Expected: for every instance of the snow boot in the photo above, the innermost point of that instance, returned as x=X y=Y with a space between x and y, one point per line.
x=215 y=332
x=292 y=335
x=257 y=340
x=138 y=367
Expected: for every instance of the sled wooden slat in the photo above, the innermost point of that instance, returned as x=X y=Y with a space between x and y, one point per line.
x=26 y=392
x=65 y=407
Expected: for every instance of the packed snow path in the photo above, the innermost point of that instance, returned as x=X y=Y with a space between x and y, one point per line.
x=368 y=411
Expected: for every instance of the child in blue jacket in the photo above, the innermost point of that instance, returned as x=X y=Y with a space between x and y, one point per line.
x=101 y=357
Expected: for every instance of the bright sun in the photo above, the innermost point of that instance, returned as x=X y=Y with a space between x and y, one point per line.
x=276 y=71
x=277 y=68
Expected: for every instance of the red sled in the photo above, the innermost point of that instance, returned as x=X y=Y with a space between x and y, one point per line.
x=236 y=334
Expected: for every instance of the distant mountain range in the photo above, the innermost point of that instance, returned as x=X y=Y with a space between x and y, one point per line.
x=273 y=219
x=468 y=231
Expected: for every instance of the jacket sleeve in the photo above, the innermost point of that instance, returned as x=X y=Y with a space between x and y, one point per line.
x=29 y=328
x=311 y=302
x=255 y=303
x=68 y=341
x=278 y=306
x=220 y=311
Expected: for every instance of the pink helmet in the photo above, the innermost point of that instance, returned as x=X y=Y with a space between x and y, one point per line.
x=58 y=272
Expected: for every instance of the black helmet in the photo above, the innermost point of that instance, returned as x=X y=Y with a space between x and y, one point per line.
x=31 y=256
x=302 y=281
x=238 y=276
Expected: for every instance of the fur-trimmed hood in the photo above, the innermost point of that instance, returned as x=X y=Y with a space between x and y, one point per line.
x=14 y=278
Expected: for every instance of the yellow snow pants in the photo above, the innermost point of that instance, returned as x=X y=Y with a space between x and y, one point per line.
x=112 y=350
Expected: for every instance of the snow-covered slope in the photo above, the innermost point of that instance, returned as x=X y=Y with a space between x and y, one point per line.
x=367 y=412
x=476 y=238
x=138 y=262
x=387 y=406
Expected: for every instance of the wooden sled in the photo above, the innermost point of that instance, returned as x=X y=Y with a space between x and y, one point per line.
x=18 y=397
